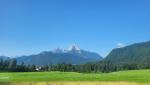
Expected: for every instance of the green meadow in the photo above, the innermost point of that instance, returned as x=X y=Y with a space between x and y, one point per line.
x=139 y=76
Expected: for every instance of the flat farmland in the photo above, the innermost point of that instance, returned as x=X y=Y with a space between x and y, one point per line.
x=133 y=77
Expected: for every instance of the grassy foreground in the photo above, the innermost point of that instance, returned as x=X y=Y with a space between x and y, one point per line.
x=77 y=83
x=139 y=76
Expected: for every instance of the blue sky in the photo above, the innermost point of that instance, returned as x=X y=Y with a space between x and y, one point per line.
x=31 y=26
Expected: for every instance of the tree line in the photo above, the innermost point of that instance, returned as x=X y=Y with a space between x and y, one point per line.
x=102 y=66
x=11 y=65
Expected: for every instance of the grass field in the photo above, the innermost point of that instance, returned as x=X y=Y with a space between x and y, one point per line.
x=136 y=76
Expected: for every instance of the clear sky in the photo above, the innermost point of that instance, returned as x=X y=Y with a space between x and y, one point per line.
x=31 y=26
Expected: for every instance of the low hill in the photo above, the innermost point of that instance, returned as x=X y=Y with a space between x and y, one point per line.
x=4 y=58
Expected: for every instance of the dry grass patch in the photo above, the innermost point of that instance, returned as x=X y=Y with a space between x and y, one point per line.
x=78 y=83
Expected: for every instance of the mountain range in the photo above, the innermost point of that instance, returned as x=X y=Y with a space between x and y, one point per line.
x=74 y=55
x=138 y=53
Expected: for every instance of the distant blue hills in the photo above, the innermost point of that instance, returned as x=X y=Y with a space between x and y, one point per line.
x=73 y=55
x=138 y=53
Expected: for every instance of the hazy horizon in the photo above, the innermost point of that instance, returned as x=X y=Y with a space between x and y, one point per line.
x=32 y=26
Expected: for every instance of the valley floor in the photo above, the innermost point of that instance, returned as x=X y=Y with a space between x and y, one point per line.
x=133 y=77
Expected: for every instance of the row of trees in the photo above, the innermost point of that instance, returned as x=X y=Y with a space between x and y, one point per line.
x=102 y=66
x=12 y=66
